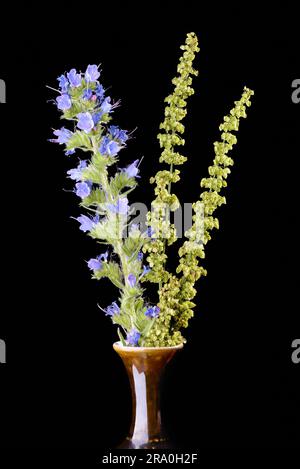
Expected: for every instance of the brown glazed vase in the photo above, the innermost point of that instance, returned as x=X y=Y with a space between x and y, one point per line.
x=144 y=366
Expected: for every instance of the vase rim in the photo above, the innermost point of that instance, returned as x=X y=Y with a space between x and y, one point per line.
x=127 y=348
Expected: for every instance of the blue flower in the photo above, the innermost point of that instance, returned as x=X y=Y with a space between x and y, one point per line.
x=64 y=102
x=87 y=223
x=123 y=137
x=146 y=270
x=74 y=78
x=103 y=257
x=85 y=122
x=87 y=94
x=63 y=135
x=94 y=264
x=131 y=279
x=112 y=310
x=118 y=133
x=63 y=83
x=133 y=336
x=134 y=227
x=152 y=312
x=112 y=148
x=99 y=90
x=83 y=189
x=76 y=173
x=114 y=131
x=140 y=256
x=121 y=206
x=150 y=232
x=132 y=170
x=106 y=105
x=96 y=117
x=92 y=73
x=109 y=147
x=70 y=152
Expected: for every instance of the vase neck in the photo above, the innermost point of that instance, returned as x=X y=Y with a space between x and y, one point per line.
x=146 y=414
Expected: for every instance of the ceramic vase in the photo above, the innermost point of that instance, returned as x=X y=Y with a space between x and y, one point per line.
x=145 y=367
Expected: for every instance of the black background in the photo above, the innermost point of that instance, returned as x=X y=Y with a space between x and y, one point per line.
x=234 y=385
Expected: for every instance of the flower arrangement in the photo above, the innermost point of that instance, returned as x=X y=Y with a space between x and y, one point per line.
x=140 y=257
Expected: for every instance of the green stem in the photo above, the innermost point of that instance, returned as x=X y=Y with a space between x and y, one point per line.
x=117 y=241
x=117 y=244
x=170 y=183
x=164 y=250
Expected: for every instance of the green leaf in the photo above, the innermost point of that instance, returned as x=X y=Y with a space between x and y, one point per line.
x=96 y=198
x=99 y=231
x=112 y=271
x=148 y=326
x=79 y=140
x=95 y=169
x=76 y=108
x=123 y=342
x=119 y=182
x=92 y=173
x=132 y=245
x=122 y=320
